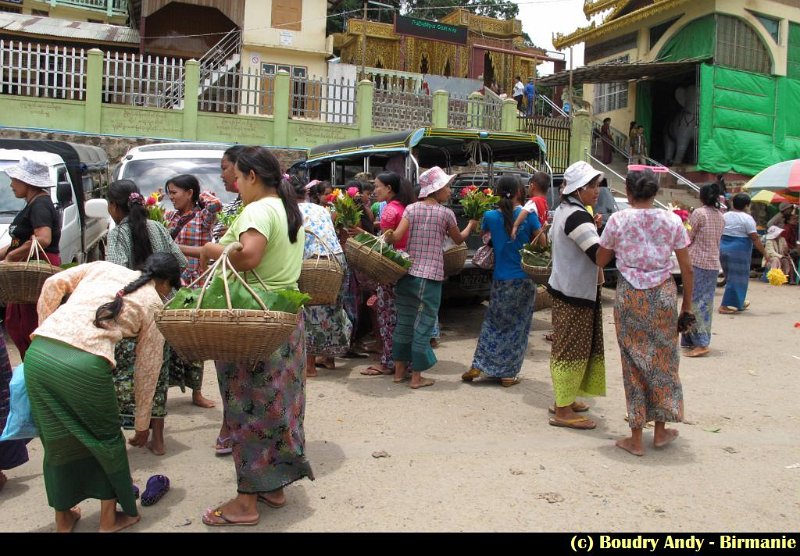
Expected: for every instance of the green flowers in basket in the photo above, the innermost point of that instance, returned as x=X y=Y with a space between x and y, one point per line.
x=287 y=301
x=397 y=257
x=536 y=255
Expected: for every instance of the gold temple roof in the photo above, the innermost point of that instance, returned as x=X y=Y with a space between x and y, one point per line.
x=612 y=22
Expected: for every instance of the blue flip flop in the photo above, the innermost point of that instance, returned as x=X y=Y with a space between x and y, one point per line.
x=135 y=492
x=157 y=487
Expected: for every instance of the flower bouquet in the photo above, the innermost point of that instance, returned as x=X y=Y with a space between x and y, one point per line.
x=776 y=277
x=477 y=201
x=343 y=206
x=154 y=209
x=682 y=213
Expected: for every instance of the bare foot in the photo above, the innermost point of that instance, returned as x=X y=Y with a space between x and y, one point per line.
x=422 y=383
x=311 y=372
x=201 y=401
x=156 y=446
x=661 y=440
x=698 y=352
x=121 y=521
x=629 y=445
x=65 y=521
x=3 y=480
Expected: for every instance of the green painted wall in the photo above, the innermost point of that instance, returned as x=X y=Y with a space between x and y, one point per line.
x=234 y=129
x=41 y=113
x=118 y=119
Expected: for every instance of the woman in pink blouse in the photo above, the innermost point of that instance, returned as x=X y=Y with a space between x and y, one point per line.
x=396 y=192
x=645 y=310
x=68 y=373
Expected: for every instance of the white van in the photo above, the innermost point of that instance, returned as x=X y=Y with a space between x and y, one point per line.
x=84 y=225
x=150 y=166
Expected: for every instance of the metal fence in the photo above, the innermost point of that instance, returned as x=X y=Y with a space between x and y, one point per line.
x=328 y=100
x=397 y=110
x=556 y=132
x=474 y=113
x=42 y=70
x=238 y=92
x=154 y=81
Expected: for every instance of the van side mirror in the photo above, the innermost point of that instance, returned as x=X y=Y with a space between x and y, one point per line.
x=64 y=194
x=96 y=208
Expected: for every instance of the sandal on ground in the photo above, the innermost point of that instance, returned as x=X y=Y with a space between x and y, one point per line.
x=322 y=363
x=135 y=492
x=224 y=446
x=374 y=370
x=214 y=517
x=581 y=423
x=509 y=382
x=577 y=407
x=157 y=487
x=471 y=374
x=264 y=500
x=698 y=352
x=727 y=310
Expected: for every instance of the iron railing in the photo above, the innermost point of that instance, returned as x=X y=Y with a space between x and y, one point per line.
x=140 y=80
x=42 y=70
x=328 y=100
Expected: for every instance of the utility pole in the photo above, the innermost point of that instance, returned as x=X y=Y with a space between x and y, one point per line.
x=571 y=101
x=364 y=42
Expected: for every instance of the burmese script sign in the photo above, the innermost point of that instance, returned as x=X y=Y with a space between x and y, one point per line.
x=426 y=29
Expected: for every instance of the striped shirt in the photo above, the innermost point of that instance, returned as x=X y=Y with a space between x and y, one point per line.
x=119 y=246
x=707 y=224
x=428 y=226
x=574 y=278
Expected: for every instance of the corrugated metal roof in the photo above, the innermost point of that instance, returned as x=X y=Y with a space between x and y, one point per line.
x=64 y=28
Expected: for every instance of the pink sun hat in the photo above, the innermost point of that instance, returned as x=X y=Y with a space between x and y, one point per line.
x=432 y=180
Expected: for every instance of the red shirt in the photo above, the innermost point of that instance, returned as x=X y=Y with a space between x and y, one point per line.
x=541 y=208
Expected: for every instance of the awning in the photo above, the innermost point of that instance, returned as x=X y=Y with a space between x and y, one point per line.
x=616 y=72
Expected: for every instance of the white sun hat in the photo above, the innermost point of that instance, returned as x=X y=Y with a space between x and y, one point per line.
x=773 y=232
x=579 y=174
x=32 y=172
x=432 y=180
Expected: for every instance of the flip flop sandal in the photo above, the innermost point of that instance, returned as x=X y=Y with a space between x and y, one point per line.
x=135 y=492
x=580 y=409
x=374 y=370
x=580 y=423
x=157 y=487
x=223 y=446
x=264 y=500
x=471 y=375
x=509 y=382
x=215 y=518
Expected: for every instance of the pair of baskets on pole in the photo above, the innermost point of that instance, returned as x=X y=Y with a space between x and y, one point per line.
x=23 y=282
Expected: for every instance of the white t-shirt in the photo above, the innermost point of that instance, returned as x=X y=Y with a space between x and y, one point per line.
x=738 y=224
x=519 y=89
x=530 y=207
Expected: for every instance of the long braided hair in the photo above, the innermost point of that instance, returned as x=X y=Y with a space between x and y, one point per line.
x=160 y=266
x=126 y=195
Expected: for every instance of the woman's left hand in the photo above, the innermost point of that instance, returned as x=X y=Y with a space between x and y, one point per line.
x=139 y=439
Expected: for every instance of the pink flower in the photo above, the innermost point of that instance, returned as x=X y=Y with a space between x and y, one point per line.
x=150 y=201
x=487 y=191
x=352 y=191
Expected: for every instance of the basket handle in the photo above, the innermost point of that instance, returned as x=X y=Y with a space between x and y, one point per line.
x=326 y=246
x=539 y=233
x=225 y=267
x=35 y=249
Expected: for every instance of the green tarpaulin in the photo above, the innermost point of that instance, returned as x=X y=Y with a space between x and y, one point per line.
x=695 y=40
x=793 y=57
x=748 y=121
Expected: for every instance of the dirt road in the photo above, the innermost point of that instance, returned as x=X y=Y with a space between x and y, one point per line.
x=461 y=457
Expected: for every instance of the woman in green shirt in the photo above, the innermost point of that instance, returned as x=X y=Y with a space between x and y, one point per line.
x=264 y=406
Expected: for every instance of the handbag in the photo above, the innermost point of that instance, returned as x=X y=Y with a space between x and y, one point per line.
x=484 y=255
x=19 y=425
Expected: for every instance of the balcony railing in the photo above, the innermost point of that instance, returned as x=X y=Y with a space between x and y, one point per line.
x=111 y=7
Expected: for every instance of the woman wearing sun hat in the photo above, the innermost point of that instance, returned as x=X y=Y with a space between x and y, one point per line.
x=419 y=293
x=577 y=361
x=30 y=180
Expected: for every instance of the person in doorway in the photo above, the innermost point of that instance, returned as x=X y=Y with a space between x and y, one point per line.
x=518 y=93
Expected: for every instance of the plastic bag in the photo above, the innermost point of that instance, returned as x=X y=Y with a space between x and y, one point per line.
x=19 y=425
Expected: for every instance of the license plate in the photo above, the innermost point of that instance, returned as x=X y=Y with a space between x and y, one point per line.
x=475 y=280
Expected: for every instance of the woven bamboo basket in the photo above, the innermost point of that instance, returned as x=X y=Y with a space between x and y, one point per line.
x=543 y=299
x=321 y=277
x=539 y=274
x=370 y=261
x=241 y=336
x=22 y=282
x=454 y=259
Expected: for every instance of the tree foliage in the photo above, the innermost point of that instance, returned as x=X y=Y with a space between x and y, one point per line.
x=423 y=9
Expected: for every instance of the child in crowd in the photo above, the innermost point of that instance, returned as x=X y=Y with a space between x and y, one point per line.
x=538 y=184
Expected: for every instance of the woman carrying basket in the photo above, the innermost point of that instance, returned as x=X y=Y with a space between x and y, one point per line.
x=39 y=219
x=68 y=376
x=130 y=243
x=265 y=404
x=419 y=293
x=328 y=328
x=503 y=341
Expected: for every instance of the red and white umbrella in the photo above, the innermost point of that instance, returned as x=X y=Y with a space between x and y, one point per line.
x=778 y=177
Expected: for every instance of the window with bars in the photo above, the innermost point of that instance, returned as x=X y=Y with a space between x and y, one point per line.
x=611 y=96
x=739 y=46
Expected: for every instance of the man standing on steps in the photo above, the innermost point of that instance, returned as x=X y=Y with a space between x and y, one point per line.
x=638 y=147
x=530 y=94
x=518 y=93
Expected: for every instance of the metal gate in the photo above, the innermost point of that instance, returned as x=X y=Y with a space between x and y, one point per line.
x=555 y=131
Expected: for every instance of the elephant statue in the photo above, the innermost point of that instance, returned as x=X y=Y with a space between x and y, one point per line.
x=682 y=128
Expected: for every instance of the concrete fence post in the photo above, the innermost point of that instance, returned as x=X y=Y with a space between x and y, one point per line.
x=280 y=112
x=190 y=100
x=509 y=116
x=92 y=116
x=475 y=111
x=580 y=141
x=365 y=97
x=441 y=109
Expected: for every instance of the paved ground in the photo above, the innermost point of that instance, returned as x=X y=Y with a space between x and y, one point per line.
x=480 y=457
